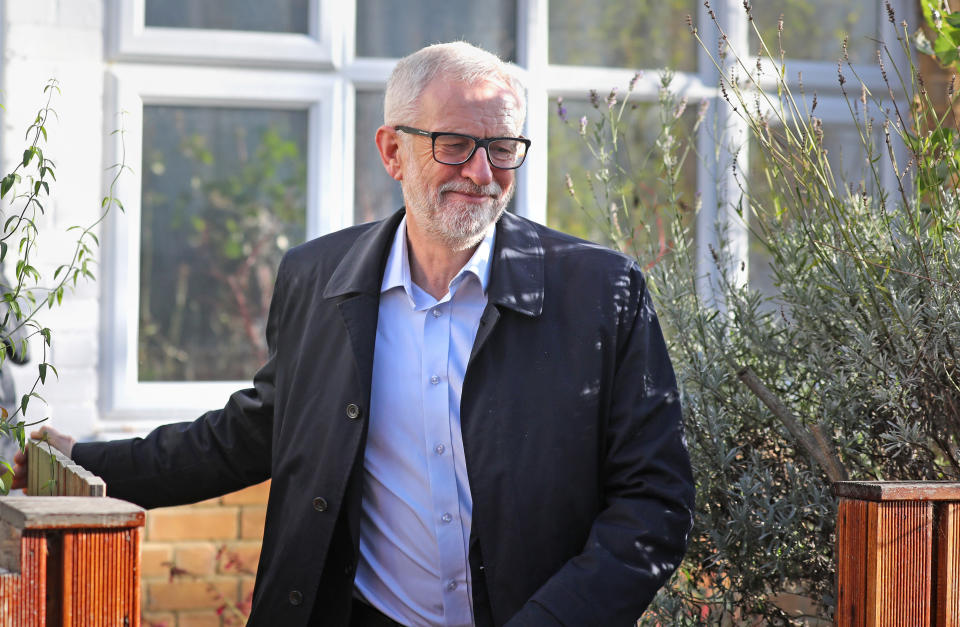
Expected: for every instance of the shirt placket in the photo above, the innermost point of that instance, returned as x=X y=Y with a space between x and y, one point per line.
x=441 y=468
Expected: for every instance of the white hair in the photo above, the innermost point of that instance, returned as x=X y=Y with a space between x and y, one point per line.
x=455 y=61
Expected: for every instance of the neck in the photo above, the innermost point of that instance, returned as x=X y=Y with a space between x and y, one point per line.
x=433 y=263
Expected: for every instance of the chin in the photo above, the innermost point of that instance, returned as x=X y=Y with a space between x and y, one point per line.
x=463 y=227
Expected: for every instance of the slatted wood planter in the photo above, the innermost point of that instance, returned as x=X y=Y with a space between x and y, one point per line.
x=898 y=553
x=68 y=560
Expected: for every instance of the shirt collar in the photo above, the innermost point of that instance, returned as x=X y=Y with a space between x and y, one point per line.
x=397 y=271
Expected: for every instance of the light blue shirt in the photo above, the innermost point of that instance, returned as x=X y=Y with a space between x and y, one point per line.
x=415 y=523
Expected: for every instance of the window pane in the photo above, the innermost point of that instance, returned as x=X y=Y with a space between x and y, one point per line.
x=814 y=29
x=639 y=156
x=623 y=33
x=273 y=16
x=386 y=28
x=223 y=198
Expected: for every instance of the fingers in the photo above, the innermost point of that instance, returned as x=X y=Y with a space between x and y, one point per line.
x=58 y=440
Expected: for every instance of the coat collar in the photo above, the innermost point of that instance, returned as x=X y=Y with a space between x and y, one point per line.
x=516 y=279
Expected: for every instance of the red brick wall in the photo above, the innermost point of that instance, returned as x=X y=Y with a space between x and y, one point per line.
x=199 y=560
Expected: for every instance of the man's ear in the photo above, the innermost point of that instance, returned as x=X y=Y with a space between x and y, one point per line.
x=389 y=146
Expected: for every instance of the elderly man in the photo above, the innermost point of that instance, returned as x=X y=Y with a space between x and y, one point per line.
x=468 y=418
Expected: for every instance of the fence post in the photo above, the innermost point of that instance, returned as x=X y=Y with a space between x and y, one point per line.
x=898 y=553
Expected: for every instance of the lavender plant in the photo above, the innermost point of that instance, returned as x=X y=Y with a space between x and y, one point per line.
x=848 y=368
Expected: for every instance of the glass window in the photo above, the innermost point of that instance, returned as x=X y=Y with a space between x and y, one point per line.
x=646 y=194
x=622 y=33
x=223 y=197
x=814 y=29
x=386 y=28
x=273 y=16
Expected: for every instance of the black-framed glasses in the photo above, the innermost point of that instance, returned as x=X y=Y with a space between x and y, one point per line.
x=506 y=153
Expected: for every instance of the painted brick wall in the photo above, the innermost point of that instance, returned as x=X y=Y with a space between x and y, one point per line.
x=199 y=560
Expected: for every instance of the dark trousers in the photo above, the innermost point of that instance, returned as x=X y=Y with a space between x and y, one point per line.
x=363 y=615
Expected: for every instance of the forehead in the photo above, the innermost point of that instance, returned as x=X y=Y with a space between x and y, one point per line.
x=485 y=108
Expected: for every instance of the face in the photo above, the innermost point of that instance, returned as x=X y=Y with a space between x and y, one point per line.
x=457 y=204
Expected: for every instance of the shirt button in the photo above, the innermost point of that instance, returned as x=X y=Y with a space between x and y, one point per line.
x=353 y=411
x=439 y=449
x=451 y=585
x=434 y=379
x=436 y=312
x=320 y=504
x=296 y=597
x=446 y=517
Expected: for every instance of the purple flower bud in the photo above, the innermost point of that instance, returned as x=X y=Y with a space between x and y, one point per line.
x=583 y=125
x=594 y=98
x=612 y=98
x=561 y=110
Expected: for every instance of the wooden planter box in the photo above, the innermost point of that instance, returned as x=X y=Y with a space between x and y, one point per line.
x=898 y=553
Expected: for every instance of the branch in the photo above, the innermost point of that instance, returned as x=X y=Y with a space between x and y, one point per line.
x=814 y=441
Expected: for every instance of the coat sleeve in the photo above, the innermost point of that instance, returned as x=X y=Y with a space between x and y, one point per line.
x=219 y=452
x=640 y=536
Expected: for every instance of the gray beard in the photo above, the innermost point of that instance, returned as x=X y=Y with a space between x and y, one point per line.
x=459 y=226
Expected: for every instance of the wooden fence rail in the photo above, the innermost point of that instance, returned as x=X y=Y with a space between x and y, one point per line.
x=50 y=472
x=898 y=553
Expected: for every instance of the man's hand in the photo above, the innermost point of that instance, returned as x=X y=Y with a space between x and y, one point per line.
x=56 y=439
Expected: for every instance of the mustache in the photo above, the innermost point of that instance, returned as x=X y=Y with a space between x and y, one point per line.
x=466 y=187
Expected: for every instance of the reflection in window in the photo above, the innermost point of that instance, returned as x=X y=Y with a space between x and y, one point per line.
x=386 y=28
x=622 y=33
x=272 y=16
x=814 y=29
x=223 y=198
x=639 y=157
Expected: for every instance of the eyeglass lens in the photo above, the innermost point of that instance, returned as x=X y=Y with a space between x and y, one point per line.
x=456 y=149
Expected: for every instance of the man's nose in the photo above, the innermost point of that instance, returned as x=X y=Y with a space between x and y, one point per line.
x=478 y=168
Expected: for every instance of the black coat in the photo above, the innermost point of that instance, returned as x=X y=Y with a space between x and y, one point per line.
x=581 y=483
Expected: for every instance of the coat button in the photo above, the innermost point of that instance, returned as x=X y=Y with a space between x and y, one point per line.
x=296 y=597
x=353 y=411
x=320 y=504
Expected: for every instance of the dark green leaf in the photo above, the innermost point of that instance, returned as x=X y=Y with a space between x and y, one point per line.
x=6 y=184
x=43 y=372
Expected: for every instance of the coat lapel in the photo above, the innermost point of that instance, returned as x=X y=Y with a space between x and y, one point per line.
x=355 y=285
x=516 y=279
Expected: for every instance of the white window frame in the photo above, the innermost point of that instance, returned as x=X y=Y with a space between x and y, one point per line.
x=132 y=40
x=123 y=397
x=320 y=72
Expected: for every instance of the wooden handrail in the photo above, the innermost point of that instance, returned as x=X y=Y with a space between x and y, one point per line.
x=898 y=553
x=50 y=472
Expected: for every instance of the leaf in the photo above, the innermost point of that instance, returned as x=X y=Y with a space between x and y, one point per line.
x=945 y=50
x=27 y=156
x=24 y=401
x=45 y=332
x=6 y=184
x=3 y=251
x=43 y=372
x=4 y=413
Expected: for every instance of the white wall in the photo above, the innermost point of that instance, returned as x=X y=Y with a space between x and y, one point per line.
x=60 y=39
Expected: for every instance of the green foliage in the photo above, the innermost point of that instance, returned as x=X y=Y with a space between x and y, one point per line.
x=26 y=188
x=858 y=341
